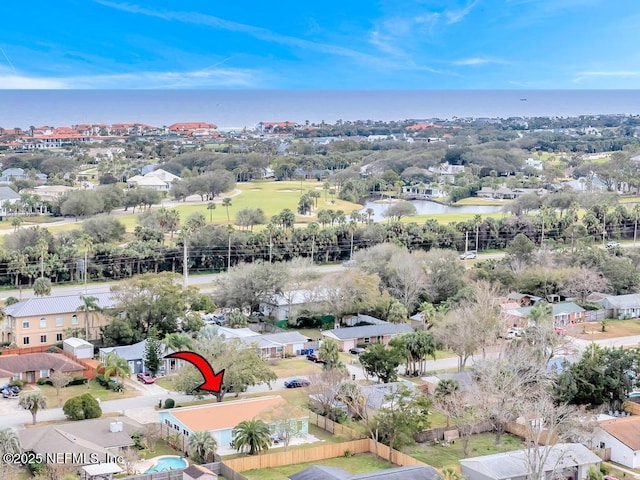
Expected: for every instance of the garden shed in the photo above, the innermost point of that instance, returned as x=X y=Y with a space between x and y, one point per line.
x=78 y=347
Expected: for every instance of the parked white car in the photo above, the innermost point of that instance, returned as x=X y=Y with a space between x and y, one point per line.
x=471 y=254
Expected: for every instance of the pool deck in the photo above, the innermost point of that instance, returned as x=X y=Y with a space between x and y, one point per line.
x=143 y=465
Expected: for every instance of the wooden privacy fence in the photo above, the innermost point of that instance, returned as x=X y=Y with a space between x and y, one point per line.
x=303 y=455
x=333 y=427
x=597 y=315
x=314 y=454
x=632 y=407
x=523 y=431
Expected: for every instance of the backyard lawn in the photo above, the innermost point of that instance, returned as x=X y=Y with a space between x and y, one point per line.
x=613 y=329
x=439 y=456
x=294 y=367
x=94 y=388
x=356 y=464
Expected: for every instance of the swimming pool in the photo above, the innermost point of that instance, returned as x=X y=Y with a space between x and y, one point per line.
x=168 y=463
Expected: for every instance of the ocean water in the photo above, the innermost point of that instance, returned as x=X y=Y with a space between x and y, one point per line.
x=234 y=109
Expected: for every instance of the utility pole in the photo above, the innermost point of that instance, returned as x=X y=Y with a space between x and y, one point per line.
x=185 y=259
x=477 y=236
x=86 y=259
x=466 y=242
x=351 y=250
x=635 y=229
x=270 y=246
x=604 y=227
x=230 y=231
x=542 y=234
x=313 y=247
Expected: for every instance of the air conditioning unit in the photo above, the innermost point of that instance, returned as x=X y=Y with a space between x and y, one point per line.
x=115 y=427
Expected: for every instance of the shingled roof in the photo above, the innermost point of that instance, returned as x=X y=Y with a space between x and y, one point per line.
x=31 y=362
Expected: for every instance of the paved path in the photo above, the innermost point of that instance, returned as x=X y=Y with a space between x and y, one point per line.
x=142 y=408
x=203 y=281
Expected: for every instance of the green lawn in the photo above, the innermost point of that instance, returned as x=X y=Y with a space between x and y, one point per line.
x=160 y=448
x=445 y=218
x=356 y=464
x=95 y=389
x=294 y=367
x=481 y=201
x=439 y=456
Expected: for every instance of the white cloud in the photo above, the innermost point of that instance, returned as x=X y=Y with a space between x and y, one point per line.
x=20 y=82
x=476 y=61
x=619 y=73
x=456 y=16
x=196 y=18
x=599 y=74
x=384 y=43
x=210 y=77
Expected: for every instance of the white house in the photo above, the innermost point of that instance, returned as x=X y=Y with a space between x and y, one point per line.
x=622 y=436
x=159 y=179
x=7 y=197
x=285 y=304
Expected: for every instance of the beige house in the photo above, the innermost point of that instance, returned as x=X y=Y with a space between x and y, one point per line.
x=46 y=320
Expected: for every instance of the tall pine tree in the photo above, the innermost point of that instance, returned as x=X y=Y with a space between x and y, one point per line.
x=152 y=352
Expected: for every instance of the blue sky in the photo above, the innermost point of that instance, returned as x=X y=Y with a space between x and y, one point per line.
x=330 y=44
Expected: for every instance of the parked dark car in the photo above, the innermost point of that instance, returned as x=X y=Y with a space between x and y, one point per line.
x=146 y=378
x=297 y=383
x=356 y=350
x=315 y=358
x=10 y=391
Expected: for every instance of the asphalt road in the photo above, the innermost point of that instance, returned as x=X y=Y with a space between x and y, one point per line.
x=204 y=282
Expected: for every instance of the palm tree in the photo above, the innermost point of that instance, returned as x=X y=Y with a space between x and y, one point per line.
x=252 y=435
x=201 y=446
x=226 y=203
x=177 y=342
x=115 y=365
x=89 y=304
x=32 y=401
x=211 y=207
x=9 y=443
x=16 y=222
x=446 y=395
x=42 y=287
x=330 y=353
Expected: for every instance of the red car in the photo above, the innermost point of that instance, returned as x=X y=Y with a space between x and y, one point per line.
x=146 y=378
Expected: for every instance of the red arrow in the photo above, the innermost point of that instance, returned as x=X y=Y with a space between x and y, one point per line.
x=212 y=381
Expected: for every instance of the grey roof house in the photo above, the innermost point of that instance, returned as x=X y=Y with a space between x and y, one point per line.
x=623 y=306
x=99 y=438
x=413 y=472
x=349 y=337
x=565 y=460
x=134 y=355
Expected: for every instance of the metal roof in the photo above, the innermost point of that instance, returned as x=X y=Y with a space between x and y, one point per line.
x=41 y=306
x=77 y=342
x=414 y=472
x=368 y=331
x=514 y=464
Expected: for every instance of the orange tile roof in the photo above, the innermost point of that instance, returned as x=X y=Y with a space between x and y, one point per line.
x=626 y=430
x=191 y=126
x=220 y=416
x=423 y=126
